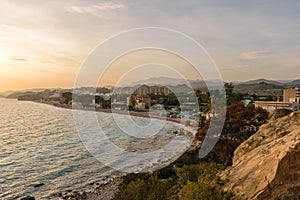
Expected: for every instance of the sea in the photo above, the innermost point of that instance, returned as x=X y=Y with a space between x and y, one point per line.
x=43 y=144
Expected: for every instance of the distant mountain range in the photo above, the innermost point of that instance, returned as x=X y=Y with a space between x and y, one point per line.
x=173 y=82
x=262 y=80
x=283 y=83
x=258 y=86
x=13 y=94
x=294 y=83
x=160 y=80
x=265 y=87
x=201 y=83
x=260 y=89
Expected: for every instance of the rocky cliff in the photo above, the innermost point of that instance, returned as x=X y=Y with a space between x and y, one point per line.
x=267 y=165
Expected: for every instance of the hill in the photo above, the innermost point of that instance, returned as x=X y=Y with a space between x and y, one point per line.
x=260 y=89
x=295 y=83
x=263 y=80
x=14 y=94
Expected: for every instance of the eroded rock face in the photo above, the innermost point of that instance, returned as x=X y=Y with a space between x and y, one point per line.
x=269 y=132
x=267 y=165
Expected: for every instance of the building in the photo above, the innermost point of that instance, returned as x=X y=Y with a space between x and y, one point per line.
x=291 y=99
x=291 y=95
x=273 y=105
x=143 y=90
x=157 y=89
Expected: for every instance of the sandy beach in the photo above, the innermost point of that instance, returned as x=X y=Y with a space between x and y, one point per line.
x=122 y=112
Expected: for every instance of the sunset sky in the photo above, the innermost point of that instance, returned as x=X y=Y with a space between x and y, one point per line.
x=43 y=44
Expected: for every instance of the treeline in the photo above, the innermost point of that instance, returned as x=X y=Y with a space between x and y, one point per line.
x=240 y=123
x=86 y=100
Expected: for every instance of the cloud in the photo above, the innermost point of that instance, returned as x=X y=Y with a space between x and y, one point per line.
x=15 y=58
x=96 y=8
x=256 y=54
x=229 y=31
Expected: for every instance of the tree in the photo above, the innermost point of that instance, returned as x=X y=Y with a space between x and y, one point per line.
x=133 y=103
x=240 y=123
x=228 y=88
x=67 y=97
x=104 y=103
x=99 y=100
x=232 y=97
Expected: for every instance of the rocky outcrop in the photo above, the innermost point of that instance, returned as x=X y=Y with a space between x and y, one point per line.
x=267 y=165
x=103 y=191
x=269 y=132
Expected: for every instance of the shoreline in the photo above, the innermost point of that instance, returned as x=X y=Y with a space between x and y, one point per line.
x=107 y=190
x=104 y=191
x=144 y=114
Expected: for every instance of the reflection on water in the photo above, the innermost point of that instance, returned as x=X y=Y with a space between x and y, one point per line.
x=39 y=144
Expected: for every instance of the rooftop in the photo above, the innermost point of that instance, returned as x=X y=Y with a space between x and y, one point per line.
x=274 y=102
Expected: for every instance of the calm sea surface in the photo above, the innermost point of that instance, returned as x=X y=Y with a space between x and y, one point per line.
x=39 y=144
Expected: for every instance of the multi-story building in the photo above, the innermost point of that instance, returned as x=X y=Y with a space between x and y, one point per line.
x=143 y=90
x=157 y=89
x=291 y=95
x=298 y=95
x=291 y=99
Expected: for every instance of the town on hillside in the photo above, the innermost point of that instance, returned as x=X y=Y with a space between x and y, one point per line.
x=173 y=102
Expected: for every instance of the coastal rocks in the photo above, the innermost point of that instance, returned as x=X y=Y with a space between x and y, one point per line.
x=103 y=191
x=267 y=165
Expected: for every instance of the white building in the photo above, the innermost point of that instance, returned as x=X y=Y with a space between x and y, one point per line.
x=273 y=105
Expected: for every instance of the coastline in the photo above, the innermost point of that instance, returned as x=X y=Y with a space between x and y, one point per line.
x=108 y=189
x=121 y=112
x=104 y=191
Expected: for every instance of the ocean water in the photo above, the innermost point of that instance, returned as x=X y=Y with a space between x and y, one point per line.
x=40 y=144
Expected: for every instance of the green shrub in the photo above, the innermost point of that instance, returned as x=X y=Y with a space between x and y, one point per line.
x=198 y=181
x=151 y=188
x=201 y=190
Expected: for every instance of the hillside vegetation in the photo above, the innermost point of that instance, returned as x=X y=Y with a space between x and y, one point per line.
x=190 y=177
x=260 y=89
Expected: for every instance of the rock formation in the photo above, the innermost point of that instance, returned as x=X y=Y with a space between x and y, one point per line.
x=267 y=165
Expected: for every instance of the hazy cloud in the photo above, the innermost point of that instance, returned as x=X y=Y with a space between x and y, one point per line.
x=57 y=36
x=16 y=58
x=96 y=9
x=256 y=54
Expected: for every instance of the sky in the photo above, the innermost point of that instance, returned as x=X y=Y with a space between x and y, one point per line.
x=44 y=44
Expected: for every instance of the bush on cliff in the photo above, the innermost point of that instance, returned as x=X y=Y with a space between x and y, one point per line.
x=190 y=182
